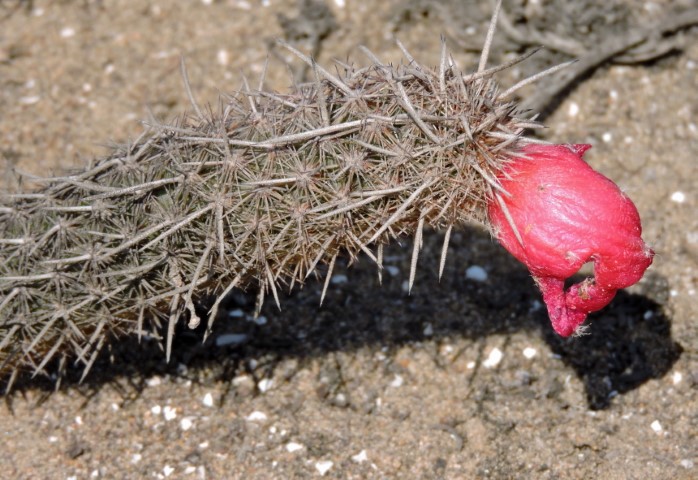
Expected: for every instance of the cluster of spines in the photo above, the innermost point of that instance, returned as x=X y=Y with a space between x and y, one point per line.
x=260 y=193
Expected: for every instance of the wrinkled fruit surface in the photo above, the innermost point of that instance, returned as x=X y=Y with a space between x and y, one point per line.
x=566 y=214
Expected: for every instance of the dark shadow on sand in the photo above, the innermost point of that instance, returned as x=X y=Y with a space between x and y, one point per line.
x=630 y=341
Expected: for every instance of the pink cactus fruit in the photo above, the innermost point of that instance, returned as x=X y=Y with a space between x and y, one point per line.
x=558 y=214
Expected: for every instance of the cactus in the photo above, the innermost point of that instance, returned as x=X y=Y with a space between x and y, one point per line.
x=256 y=195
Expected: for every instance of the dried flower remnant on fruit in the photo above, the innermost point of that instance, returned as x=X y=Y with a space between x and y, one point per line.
x=558 y=214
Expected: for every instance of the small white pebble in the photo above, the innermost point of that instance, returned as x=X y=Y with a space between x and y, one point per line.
x=186 y=423
x=94 y=473
x=607 y=137
x=169 y=413
x=230 y=339
x=256 y=416
x=360 y=457
x=648 y=314
x=397 y=381
x=109 y=69
x=535 y=306
x=678 y=197
x=78 y=420
x=52 y=439
x=573 y=110
x=38 y=11
x=323 y=466
x=293 y=447
x=628 y=139
x=686 y=463
x=656 y=426
x=203 y=445
x=392 y=270
x=29 y=100
x=136 y=457
x=265 y=384
x=493 y=359
x=72 y=477
x=167 y=470
x=207 y=2
x=470 y=365
x=340 y=3
x=156 y=410
x=190 y=469
x=67 y=32
x=677 y=377
x=477 y=273
x=163 y=54
x=613 y=94
x=529 y=352
x=690 y=64
x=241 y=379
x=339 y=279
x=153 y=382
x=208 y=400
x=222 y=57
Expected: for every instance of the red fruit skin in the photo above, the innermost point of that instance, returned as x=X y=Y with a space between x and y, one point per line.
x=566 y=215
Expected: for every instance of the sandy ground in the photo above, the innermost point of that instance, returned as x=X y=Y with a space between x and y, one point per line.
x=461 y=379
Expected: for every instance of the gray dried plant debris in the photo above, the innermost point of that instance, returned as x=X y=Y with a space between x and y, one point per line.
x=595 y=33
x=257 y=194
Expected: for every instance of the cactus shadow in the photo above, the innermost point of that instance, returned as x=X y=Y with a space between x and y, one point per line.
x=630 y=343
